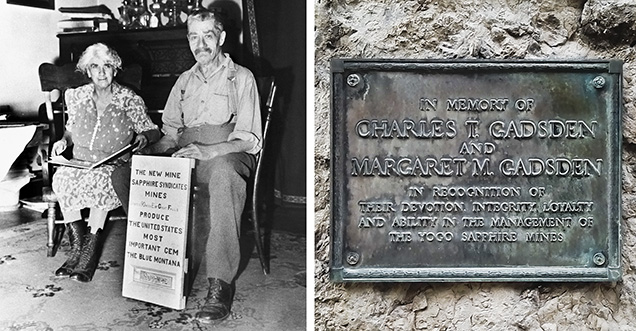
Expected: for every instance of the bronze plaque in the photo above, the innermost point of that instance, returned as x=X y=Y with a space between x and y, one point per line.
x=476 y=171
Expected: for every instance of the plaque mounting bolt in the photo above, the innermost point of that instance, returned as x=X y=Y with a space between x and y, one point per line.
x=599 y=259
x=353 y=80
x=353 y=258
x=598 y=82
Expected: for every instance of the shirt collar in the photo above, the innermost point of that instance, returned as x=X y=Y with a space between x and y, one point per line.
x=225 y=62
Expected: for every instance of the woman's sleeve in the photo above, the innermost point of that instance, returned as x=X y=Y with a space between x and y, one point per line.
x=137 y=112
x=71 y=101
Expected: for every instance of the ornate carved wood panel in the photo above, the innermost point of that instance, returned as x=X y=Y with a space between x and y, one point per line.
x=163 y=54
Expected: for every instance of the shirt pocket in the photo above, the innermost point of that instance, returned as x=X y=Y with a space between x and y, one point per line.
x=210 y=109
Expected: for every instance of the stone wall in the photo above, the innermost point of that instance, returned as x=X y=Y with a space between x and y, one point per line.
x=491 y=29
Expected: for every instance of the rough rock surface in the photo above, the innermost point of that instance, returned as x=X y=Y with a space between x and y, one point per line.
x=496 y=29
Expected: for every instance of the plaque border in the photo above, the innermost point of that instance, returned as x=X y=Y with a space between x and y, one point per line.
x=339 y=272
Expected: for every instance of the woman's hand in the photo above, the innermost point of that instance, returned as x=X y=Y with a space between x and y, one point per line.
x=141 y=142
x=59 y=147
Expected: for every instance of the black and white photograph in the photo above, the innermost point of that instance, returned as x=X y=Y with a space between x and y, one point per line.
x=154 y=168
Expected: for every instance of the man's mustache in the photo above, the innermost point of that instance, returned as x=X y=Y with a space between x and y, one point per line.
x=202 y=49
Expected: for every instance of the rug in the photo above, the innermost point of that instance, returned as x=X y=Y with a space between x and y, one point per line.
x=32 y=298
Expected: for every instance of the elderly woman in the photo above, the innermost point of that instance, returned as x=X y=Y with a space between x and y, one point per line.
x=103 y=117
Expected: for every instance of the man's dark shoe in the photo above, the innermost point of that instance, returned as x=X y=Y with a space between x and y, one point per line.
x=218 y=302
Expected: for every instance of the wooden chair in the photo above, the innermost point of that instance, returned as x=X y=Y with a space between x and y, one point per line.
x=254 y=206
x=61 y=78
x=256 y=210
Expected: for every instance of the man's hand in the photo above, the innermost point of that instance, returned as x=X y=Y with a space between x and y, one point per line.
x=207 y=152
x=195 y=151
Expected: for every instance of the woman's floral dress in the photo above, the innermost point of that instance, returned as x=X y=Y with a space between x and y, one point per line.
x=94 y=138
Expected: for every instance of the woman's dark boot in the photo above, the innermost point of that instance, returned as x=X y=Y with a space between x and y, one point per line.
x=75 y=232
x=89 y=258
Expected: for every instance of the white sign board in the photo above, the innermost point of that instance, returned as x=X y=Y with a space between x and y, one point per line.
x=155 y=263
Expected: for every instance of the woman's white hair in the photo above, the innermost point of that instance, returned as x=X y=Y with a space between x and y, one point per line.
x=100 y=51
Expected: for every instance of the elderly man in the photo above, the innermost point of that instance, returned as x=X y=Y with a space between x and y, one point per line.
x=212 y=115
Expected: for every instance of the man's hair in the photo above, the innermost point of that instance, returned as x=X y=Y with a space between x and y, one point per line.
x=99 y=51
x=203 y=15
